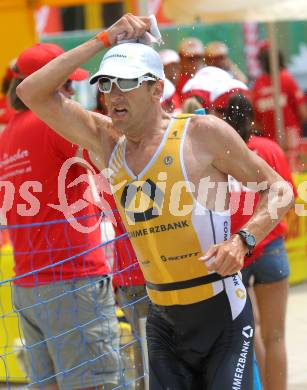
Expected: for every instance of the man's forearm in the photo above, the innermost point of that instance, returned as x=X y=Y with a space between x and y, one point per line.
x=271 y=208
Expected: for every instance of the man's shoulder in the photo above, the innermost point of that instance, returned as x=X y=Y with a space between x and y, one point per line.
x=209 y=135
x=100 y=119
x=105 y=129
x=207 y=127
x=107 y=136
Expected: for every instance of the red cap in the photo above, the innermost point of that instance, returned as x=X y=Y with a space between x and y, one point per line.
x=35 y=57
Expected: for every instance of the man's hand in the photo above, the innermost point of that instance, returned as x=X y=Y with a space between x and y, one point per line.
x=229 y=256
x=128 y=27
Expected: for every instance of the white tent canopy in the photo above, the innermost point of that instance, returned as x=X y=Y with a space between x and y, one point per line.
x=234 y=11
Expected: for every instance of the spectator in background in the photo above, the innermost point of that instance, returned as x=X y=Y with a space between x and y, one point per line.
x=191 y=52
x=171 y=63
x=292 y=101
x=267 y=269
x=6 y=112
x=217 y=54
x=67 y=311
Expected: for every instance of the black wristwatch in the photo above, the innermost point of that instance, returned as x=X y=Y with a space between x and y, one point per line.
x=248 y=239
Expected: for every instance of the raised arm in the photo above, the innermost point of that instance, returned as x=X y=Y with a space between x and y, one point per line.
x=40 y=91
x=232 y=156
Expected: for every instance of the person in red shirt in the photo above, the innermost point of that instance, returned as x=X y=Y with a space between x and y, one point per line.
x=268 y=264
x=292 y=101
x=62 y=290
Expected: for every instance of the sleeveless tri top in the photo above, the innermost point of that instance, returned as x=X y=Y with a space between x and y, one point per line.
x=168 y=228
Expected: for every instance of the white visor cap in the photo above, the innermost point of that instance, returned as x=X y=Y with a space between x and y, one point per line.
x=129 y=61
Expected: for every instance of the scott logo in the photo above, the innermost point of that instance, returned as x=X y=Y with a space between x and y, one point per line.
x=248 y=332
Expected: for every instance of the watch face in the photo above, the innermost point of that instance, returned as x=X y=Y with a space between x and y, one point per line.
x=250 y=240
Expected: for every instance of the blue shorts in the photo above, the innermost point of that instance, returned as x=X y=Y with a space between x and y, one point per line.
x=272 y=266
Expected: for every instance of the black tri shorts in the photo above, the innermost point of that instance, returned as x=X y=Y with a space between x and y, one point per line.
x=200 y=346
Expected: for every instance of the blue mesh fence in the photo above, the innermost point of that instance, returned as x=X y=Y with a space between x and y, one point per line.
x=58 y=321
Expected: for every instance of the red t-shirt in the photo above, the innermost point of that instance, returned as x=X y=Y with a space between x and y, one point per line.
x=31 y=158
x=126 y=269
x=243 y=203
x=291 y=98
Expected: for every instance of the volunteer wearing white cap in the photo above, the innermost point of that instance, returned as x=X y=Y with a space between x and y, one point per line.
x=205 y=81
x=200 y=322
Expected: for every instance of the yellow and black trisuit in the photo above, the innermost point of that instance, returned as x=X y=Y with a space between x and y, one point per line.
x=169 y=230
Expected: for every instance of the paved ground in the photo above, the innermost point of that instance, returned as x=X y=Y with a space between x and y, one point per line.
x=296 y=339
